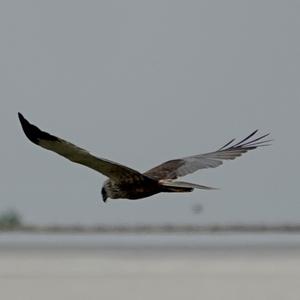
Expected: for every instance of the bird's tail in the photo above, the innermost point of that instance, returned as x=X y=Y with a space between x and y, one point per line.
x=181 y=186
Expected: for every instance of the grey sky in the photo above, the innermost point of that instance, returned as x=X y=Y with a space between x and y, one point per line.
x=141 y=82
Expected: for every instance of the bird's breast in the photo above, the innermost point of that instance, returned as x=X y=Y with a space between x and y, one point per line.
x=133 y=190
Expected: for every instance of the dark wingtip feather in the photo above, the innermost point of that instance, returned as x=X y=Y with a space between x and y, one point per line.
x=227 y=144
x=246 y=138
x=33 y=133
x=247 y=143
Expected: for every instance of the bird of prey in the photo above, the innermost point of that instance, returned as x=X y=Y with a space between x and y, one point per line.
x=128 y=183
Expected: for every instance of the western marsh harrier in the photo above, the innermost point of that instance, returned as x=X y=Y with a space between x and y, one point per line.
x=125 y=182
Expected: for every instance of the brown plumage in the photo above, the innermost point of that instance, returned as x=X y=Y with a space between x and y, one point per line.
x=125 y=182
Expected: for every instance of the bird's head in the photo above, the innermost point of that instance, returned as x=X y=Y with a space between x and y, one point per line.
x=104 y=194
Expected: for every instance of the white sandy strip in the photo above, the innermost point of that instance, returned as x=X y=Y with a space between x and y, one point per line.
x=85 y=275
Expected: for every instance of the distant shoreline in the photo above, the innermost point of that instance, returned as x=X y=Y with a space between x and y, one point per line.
x=165 y=228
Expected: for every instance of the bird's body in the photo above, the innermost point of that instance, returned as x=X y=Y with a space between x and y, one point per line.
x=130 y=190
x=138 y=189
x=128 y=183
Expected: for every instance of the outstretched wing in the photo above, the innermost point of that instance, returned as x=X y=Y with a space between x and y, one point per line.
x=175 y=168
x=78 y=155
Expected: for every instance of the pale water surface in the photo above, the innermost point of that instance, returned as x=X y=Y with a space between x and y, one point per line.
x=153 y=266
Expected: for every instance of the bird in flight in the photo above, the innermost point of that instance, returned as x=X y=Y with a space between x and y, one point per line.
x=128 y=183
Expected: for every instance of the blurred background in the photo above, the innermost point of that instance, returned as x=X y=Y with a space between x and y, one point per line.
x=142 y=82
